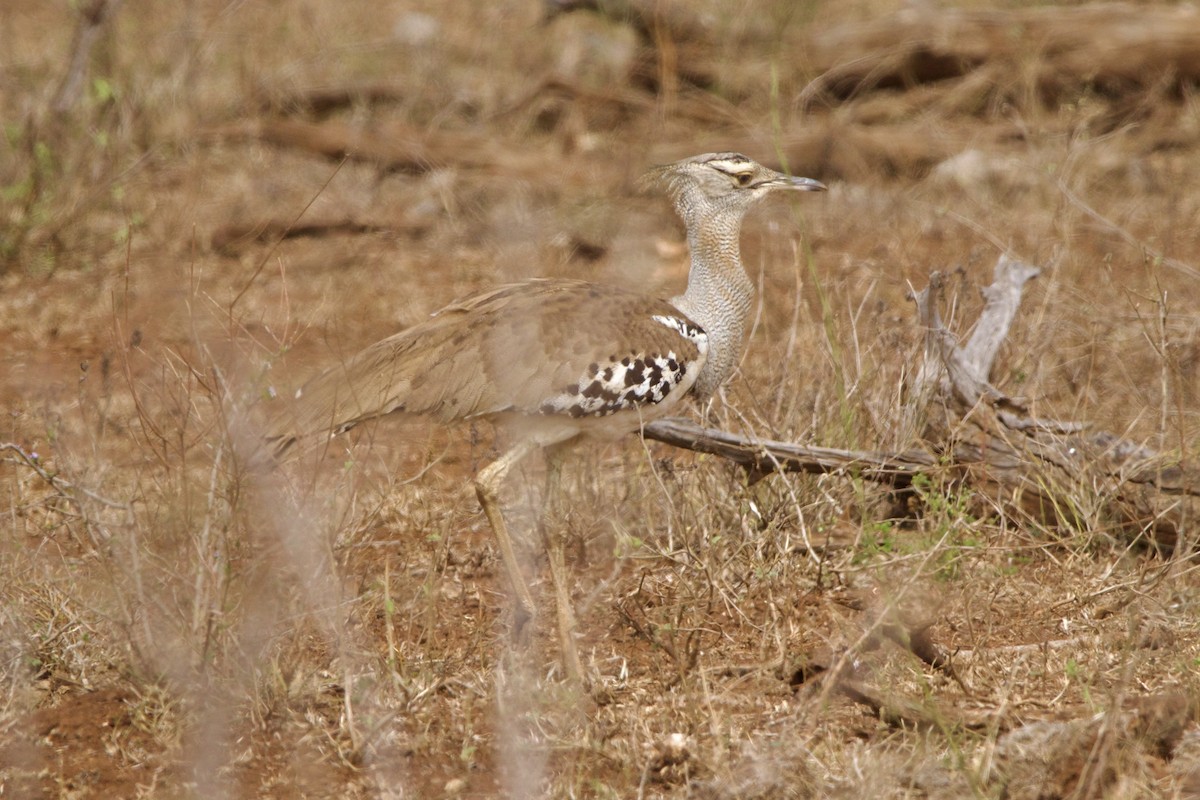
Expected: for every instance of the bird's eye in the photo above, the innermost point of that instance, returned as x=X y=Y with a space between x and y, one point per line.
x=743 y=179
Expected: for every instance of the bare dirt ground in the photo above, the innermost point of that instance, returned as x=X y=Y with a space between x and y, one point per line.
x=235 y=194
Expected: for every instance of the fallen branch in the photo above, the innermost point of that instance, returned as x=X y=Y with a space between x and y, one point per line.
x=900 y=712
x=829 y=673
x=1057 y=470
x=763 y=456
x=1112 y=47
x=625 y=101
x=393 y=147
x=1054 y=470
x=321 y=101
x=229 y=239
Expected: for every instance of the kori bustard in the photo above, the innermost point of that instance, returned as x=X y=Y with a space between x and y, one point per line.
x=553 y=361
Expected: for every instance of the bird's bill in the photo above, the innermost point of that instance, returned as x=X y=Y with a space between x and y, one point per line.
x=798 y=184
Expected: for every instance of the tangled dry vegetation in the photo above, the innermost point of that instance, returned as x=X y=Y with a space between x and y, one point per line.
x=202 y=202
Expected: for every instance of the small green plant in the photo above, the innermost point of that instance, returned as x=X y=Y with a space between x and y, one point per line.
x=878 y=538
x=25 y=190
x=1077 y=674
x=939 y=502
x=626 y=545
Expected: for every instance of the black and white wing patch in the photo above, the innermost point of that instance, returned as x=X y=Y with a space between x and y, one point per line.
x=635 y=380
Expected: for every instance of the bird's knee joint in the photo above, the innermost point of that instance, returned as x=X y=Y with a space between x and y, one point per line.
x=486 y=492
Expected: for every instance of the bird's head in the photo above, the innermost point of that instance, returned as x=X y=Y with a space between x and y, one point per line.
x=716 y=182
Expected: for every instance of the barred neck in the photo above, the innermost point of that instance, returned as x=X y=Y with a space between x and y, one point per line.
x=719 y=293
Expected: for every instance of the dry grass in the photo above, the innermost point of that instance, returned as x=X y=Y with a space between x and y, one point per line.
x=176 y=622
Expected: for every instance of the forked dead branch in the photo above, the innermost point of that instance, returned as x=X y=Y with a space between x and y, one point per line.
x=969 y=431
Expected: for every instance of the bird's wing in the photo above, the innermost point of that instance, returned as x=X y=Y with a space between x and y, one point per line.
x=537 y=347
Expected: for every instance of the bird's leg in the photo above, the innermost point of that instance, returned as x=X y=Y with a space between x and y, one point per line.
x=487 y=488
x=553 y=535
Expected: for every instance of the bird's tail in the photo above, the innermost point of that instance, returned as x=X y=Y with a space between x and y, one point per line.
x=372 y=384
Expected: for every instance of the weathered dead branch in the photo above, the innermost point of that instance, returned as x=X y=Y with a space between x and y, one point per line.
x=762 y=456
x=230 y=238
x=845 y=148
x=1056 y=471
x=320 y=101
x=829 y=672
x=1111 y=47
x=393 y=147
